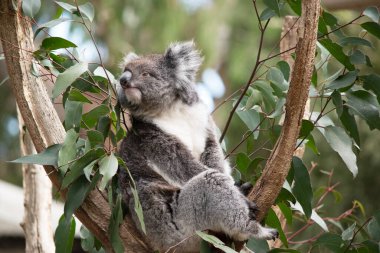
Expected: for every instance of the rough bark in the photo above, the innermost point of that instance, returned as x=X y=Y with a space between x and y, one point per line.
x=43 y=124
x=37 y=201
x=267 y=188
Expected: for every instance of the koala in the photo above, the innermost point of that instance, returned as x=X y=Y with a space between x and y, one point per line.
x=173 y=154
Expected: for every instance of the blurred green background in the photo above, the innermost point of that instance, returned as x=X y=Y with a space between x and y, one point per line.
x=227 y=34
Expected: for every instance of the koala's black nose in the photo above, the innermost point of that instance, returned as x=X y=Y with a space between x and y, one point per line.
x=125 y=79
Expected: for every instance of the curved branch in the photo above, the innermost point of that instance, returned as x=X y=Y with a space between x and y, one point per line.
x=44 y=125
x=265 y=191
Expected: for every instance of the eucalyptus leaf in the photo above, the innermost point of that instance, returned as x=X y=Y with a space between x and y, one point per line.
x=76 y=169
x=272 y=221
x=66 y=78
x=373 y=13
x=76 y=95
x=64 y=235
x=92 y=117
x=31 y=7
x=355 y=41
x=373 y=28
x=337 y=51
x=215 y=242
x=348 y=234
x=73 y=114
x=51 y=24
x=113 y=227
x=108 y=168
x=47 y=157
x=372 y=82
x=343 y=81
x=302 y=186
x=267 y=13
x=341 y=143
x=366 y=106
x=53 y=43
x=273 y=5
x=68 y=151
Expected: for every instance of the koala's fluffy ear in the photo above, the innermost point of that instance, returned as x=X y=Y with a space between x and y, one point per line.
x=185 y=59
x=128 y=58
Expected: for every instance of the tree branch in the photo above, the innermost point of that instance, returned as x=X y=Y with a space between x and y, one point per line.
x=270 y=183
x=44 y=125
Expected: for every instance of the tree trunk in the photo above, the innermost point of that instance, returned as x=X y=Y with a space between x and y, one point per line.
x=37 y=201
x=267 y=188
x=43 y=124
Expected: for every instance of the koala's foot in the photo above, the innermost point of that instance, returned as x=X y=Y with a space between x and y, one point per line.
x=246 y=188
x=254 y=229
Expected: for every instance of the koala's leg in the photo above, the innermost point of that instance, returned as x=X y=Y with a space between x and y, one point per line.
x=210 y=200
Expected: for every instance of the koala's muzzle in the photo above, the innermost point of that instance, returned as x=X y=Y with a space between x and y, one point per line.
x=125 y=80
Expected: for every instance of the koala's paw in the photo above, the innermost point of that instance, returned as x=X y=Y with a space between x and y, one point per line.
x=268 y=233
x=253 y=210
x=246 y=188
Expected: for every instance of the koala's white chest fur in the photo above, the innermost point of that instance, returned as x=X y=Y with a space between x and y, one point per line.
x=188 y=124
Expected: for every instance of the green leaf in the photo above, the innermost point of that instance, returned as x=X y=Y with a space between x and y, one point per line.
x=66 y=6
x=373 y=13
x=252 y=167
x=373 y=28
x=349 y=123
x=73 y=114
x=76 y=95
x=31 y=7
x=276 y=77
x=215 y=242
x=306 y=127
x=93 y=116
x=257 y=245
x=279 y=108
x=372 y=82
x=355 y=41
x=47 y=157
x=330 y=241
x=267 y=93
x=50 y=24
x=87 y=10
x=296 y=6
x=310 y=143
x=366 y=106
x=285 y=195
x=284 y=68
x=77 y=193
x=107 y=167
x=341 y=143
x=283 y=251
x=76 y=169
x=348 y=234
x=68 y=151
x=273 y=5
x=66 y=78
x=272 y=221
x=113 y=227
x=374 y=227
x=242 y=162
x=357 y=57
x=343 y=81
x=251 y=118
x=96 y=138
x=267 y=14
x=64 y=235
x=337 y=51
x=53 y=43
x=287 y=212
x=302 y=187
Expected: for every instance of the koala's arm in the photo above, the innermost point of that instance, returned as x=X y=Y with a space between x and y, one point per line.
x=213 y=156
x=170 y=157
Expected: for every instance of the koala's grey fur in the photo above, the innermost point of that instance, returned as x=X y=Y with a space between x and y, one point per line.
x=181 y=176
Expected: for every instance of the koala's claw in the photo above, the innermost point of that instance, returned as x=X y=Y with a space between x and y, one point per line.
x=275 y=236
x=246 y=188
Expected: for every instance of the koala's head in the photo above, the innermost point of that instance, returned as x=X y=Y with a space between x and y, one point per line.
x=152 y=83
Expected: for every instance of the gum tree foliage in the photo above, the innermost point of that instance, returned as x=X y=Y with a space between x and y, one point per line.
x=344 y=88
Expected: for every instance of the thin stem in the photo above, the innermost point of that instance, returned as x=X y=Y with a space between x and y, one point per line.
x=258 y=63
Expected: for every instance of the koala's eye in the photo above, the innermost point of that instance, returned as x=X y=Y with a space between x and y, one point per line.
x=146 y=74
